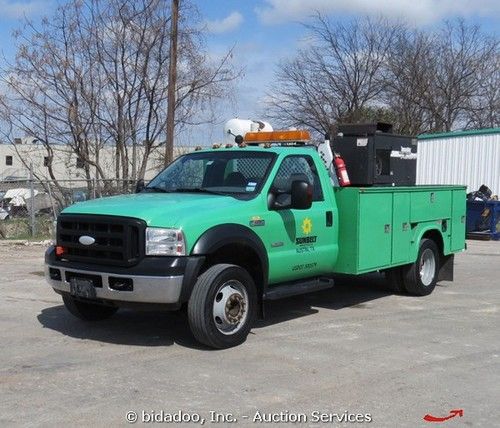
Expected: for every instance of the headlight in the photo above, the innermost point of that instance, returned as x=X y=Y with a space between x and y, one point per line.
x=165 y=242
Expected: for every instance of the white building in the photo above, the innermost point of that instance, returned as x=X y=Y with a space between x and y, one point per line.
x=16 y=158
x=471 y=158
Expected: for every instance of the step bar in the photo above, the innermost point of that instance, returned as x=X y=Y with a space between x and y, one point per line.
x=296 y=288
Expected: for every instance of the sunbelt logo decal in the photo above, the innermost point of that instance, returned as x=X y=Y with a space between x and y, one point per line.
x=305 y=242
x=307 y=226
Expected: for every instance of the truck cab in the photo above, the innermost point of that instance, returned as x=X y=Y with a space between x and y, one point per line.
x=224 y=229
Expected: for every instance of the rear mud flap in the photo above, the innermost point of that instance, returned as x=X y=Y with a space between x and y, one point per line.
x=447 y=268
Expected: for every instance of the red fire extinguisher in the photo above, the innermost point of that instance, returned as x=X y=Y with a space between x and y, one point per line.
x=341 y=171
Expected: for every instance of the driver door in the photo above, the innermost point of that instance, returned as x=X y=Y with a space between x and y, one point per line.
x=297 y=240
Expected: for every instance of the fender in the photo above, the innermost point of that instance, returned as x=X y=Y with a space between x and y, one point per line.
x=224 y=234
x=420 y=232
x=215 y=238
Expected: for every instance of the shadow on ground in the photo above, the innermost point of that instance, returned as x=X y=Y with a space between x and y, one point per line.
x=128 y=327
x=348 y=292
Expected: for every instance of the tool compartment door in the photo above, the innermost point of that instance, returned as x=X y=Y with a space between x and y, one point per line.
x=375 y=230
x=458 y=221
x=427 y=205
x=401 y=230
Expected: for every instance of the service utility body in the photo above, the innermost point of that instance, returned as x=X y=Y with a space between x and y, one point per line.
x=223 y=230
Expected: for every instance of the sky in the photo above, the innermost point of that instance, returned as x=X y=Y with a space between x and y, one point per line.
x=263 y=32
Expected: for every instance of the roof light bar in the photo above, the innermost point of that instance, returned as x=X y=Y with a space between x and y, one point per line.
x=284 y=136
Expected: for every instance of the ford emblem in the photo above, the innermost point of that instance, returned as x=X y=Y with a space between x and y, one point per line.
x=86 y=240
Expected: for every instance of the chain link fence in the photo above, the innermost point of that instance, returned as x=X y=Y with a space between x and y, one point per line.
x=28 y=208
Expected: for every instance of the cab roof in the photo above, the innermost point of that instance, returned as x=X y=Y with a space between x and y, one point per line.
x=280 y=141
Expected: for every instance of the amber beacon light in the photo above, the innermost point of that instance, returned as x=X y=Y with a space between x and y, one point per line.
x=279 y=136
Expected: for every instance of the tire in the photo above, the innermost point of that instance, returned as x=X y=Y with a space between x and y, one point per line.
x=220 y=287
x=87 y=311
x=420 y=278
x=395 y=281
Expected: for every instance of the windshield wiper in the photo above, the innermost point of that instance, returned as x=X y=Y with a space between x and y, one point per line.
x=188 y=190
x=157 y=189
x=200 y=190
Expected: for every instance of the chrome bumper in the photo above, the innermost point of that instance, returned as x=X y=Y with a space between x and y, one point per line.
x=146 y=289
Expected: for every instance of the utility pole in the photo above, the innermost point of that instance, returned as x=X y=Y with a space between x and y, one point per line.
x=172 y=79
x=32 y=203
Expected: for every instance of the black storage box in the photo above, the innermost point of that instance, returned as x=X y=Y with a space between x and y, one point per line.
x=375 y=156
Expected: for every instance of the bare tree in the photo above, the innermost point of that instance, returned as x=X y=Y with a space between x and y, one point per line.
x=483 y=108
x=460 y=56
x=444 y=80
x=337 y=77
x=375 y=70
x=409 y=81
x=94 y=75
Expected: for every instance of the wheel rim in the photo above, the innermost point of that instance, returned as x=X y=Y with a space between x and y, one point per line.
x=230 y=307
x=427 y=267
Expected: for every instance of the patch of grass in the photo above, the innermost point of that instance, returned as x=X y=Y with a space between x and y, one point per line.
x=20 y=228
x=38 y=273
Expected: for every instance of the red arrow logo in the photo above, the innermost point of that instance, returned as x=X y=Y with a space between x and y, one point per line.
x=453 y=413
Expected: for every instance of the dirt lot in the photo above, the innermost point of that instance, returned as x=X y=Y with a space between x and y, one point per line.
x=354 y=349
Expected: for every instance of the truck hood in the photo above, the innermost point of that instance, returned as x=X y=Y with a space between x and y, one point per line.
x=157 y=209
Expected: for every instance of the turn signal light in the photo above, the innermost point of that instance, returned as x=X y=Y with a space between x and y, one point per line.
x=60 y=251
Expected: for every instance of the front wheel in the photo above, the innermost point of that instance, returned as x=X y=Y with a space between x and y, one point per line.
x=222 y=306
x=87 y=311
x=420 y=278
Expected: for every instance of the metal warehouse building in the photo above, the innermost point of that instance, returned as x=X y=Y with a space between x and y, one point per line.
x=464 y=157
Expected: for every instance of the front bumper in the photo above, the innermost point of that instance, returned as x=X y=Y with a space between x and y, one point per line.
x=157 y=280
x=146 y=289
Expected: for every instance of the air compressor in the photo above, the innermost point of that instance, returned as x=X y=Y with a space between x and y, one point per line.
x=375 y=156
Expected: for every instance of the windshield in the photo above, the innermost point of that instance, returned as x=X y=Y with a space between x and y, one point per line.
x=222 y=172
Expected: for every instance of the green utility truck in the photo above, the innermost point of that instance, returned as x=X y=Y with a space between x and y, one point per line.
x=225 y=229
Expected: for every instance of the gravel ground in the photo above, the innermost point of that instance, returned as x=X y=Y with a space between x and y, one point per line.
x=353 y=349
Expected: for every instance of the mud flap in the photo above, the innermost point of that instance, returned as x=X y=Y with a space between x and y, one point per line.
x=447 y=267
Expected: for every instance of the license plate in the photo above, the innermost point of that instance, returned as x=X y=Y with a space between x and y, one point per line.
x=82 y=287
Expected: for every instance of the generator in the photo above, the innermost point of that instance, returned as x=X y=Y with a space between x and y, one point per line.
x=375 y=156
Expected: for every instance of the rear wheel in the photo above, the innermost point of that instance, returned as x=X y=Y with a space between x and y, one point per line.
x=87 y=311
x=420 y=278
x=222 y=306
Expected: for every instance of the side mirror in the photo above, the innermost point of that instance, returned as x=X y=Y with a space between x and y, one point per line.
x=302 y=195
x=139 y=187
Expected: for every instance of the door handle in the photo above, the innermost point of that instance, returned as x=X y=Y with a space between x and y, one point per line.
x=329 y=219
